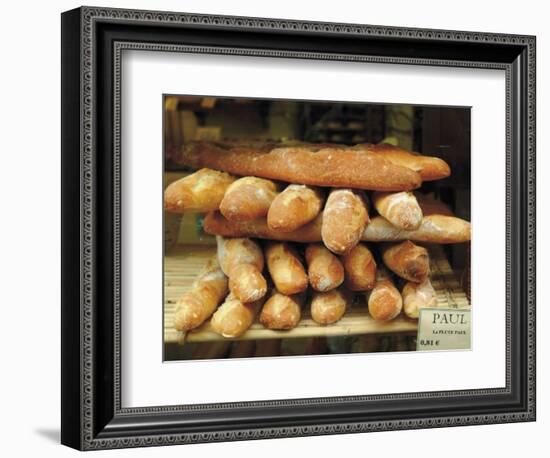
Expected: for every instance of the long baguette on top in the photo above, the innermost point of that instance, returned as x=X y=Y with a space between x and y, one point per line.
x=320 y=165
x=433 y=229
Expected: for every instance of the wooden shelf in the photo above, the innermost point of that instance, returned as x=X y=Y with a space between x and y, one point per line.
x=182 y=265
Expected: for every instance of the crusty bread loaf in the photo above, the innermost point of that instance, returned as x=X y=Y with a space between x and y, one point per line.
x=417 y=296
x=216 y=224
x=329 y=307
x=360 y=268
x=399 y=208
x=199 y=192
x=285 y=268
x=248 y=198
x=247 y=283
x=318 y=165
x=384 y=301
x=324 y=269
x=281 y=311
x=197 y=304
x=407 y=260
x=242 y=260
x=434 y=229
x=233 y=317
x=295 y=206
x=344 y=220
x=240 y=250
x=430 y=168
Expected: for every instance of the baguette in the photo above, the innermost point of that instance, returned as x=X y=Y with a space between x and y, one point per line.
x=344 y=220
x=430 y=168
x=216 y=224
x=199 y=192
x=325 y=271
x=286 y=269
x=233 y=317
x=360 y=268
x=417 y=296
x=295 y=206
x=434 y=229
x=329 y=307
x=399 y=208
x=317 y=165
x=431 y=206
x=242 y=260
x=248 y=198
x=407 y=260
x=247 y=283
x=384 y=301
x=197 y=304
x=281 y=311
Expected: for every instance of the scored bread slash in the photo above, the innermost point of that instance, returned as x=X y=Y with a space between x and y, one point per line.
x=399 y=208
x=242 y=260
x=407 y=260
x=430 y=168
x=199 y=192
x=325 y=271
x=329 y=307
x=285 y=268
x=417 y=296
x=296 y=206
x=282 y=312
x=384 y=301
x=360 y=268
x=248 y=198
x=344 y=219
x=233 y=317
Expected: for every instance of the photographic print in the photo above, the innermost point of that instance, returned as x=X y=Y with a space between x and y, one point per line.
x=311 y=227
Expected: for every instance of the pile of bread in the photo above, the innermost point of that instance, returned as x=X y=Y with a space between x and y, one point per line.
x=307 y=211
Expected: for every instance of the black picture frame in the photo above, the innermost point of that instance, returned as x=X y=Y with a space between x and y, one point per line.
x=92 y=40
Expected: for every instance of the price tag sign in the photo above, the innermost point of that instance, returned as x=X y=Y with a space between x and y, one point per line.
x=443 y=329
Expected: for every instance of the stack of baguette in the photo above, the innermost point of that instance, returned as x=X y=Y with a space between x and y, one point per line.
x=310 y=225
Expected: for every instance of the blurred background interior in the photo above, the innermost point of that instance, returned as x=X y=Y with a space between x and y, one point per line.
x=430 y=130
